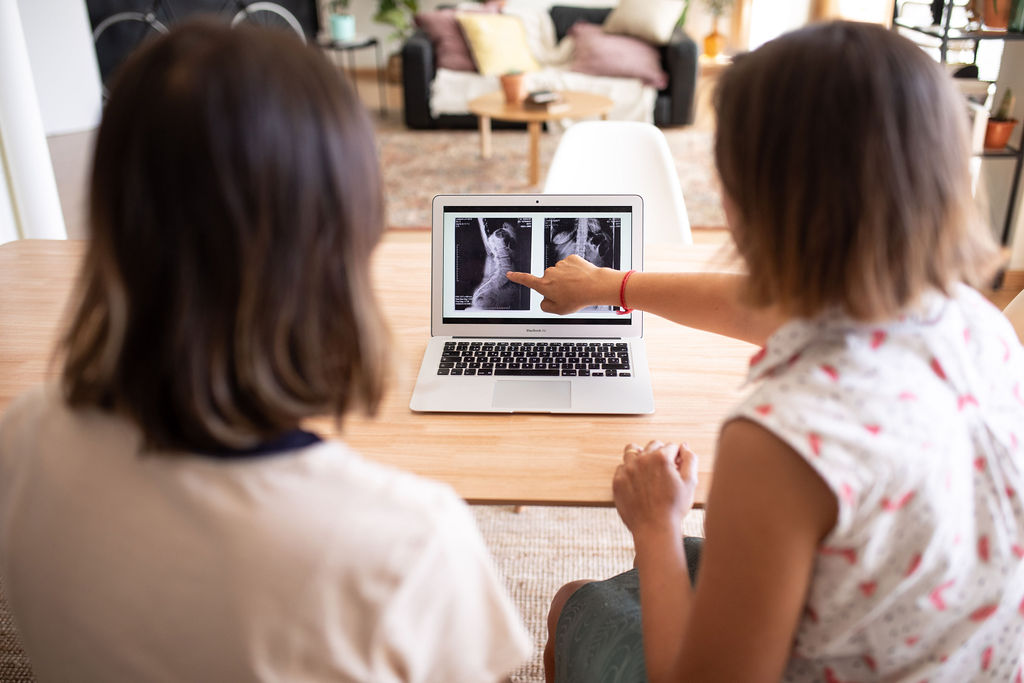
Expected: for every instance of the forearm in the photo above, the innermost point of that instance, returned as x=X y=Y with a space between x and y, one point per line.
x=705 y=301
x=665 y=599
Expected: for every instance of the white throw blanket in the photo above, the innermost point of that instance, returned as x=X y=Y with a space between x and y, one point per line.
x=451 y=91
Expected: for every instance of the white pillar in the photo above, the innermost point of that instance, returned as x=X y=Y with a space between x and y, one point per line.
x=29 y=182
x=64 y=67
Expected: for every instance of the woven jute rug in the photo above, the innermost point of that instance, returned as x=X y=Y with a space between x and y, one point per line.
x=539 y=549
x=419 y=164
x=14 y=665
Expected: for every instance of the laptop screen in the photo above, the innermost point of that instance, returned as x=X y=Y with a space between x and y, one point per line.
x=481 y=243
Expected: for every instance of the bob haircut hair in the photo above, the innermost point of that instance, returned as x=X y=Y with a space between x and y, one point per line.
x=844 y=151
x=234 y=205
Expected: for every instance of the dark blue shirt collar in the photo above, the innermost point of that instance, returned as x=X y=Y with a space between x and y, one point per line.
x=288 y=441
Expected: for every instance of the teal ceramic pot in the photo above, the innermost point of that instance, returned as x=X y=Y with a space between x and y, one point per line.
x=343 y=28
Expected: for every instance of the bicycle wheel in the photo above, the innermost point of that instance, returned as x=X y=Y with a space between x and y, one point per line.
x=269 y=15
x=118 y=35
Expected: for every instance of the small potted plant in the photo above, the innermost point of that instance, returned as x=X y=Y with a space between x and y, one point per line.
x=343 y=24
x=1001 y=124
x=714 y=42
x=399 y=15
x=996 y=14
x=514 y=85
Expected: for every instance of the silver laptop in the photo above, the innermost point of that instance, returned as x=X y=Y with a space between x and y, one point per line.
x=492 y=349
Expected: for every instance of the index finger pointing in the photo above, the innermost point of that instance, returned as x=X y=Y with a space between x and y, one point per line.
x=526 y=279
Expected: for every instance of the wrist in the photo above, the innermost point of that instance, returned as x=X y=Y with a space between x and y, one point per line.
x=610 y=293
x=655 y=535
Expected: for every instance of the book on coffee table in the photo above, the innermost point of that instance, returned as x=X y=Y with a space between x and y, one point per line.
x=545 y=100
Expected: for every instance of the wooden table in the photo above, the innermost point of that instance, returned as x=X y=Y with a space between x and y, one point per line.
x=520 y=459
x=580 y=105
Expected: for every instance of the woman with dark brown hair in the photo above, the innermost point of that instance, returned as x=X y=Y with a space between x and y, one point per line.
x=866 y=519
x=163 y=514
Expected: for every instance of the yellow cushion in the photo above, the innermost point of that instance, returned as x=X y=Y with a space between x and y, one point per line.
x=497 y=42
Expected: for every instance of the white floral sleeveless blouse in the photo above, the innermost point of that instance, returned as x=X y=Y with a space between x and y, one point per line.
x=917 y=427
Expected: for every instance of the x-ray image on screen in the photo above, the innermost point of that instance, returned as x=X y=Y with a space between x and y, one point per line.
x=486 y=249
x=597 y=240
x=593 y=239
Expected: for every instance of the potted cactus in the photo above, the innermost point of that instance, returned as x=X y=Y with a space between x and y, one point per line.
x=1001 y=123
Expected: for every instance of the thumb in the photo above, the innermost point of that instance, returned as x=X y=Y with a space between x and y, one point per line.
x=526 y=279
x=686 y=463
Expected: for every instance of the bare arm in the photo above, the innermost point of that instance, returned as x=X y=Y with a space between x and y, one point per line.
x=706 y=301
x=653 y=491
x=768 y=511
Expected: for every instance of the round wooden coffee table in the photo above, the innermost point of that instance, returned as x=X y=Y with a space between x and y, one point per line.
x=580 y=105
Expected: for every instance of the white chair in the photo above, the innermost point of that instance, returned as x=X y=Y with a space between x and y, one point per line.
x=1015 y=312
x=623 y=157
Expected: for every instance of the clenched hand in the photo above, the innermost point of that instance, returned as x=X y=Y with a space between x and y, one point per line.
x=655 y=486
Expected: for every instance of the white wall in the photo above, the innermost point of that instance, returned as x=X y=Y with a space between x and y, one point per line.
x=874 y=11
x=63 y=61
x=771 y=18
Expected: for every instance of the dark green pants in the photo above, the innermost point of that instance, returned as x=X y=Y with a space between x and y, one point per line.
x=599 y=637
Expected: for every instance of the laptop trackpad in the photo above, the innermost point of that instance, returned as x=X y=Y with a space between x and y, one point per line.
x=510 y=394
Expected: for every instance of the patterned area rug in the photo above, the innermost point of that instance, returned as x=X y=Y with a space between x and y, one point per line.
x=419 y=164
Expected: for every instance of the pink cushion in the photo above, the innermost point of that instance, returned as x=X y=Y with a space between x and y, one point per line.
x=606 y=54
x=450 y=48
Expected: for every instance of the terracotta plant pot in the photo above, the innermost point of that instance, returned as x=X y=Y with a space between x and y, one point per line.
x=514 y=86
x=996 y=13
x=998 y=133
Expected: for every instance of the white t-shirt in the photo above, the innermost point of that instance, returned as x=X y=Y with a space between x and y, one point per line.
x=308 y=565
x=917 y=426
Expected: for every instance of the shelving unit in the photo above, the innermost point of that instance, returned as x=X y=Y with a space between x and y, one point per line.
x=946 y=33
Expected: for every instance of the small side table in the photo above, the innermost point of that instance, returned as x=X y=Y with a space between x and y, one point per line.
x=493 y=106
x=358 y=44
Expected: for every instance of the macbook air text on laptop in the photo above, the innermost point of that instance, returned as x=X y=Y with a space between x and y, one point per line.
x=492 y=348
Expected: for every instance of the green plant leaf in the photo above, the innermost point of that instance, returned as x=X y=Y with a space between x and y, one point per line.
x=682 y=17
x=397 y=13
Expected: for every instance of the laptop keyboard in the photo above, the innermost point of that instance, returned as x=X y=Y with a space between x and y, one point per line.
x=544 y=359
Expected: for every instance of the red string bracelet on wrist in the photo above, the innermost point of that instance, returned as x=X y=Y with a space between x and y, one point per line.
x=623 y=308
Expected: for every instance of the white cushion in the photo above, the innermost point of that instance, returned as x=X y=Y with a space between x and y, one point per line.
x=649 y=20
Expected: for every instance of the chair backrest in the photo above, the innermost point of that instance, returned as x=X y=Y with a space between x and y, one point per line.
x=623 y=157
x=1015 y=312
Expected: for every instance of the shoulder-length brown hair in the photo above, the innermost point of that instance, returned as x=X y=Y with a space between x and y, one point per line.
x=844 y=150
x=234 y=205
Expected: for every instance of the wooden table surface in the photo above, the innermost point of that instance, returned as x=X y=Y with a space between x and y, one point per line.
x=487 y=458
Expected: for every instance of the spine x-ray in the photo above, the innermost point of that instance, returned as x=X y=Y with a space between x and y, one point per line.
x=486 y=249
x=597 y=240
